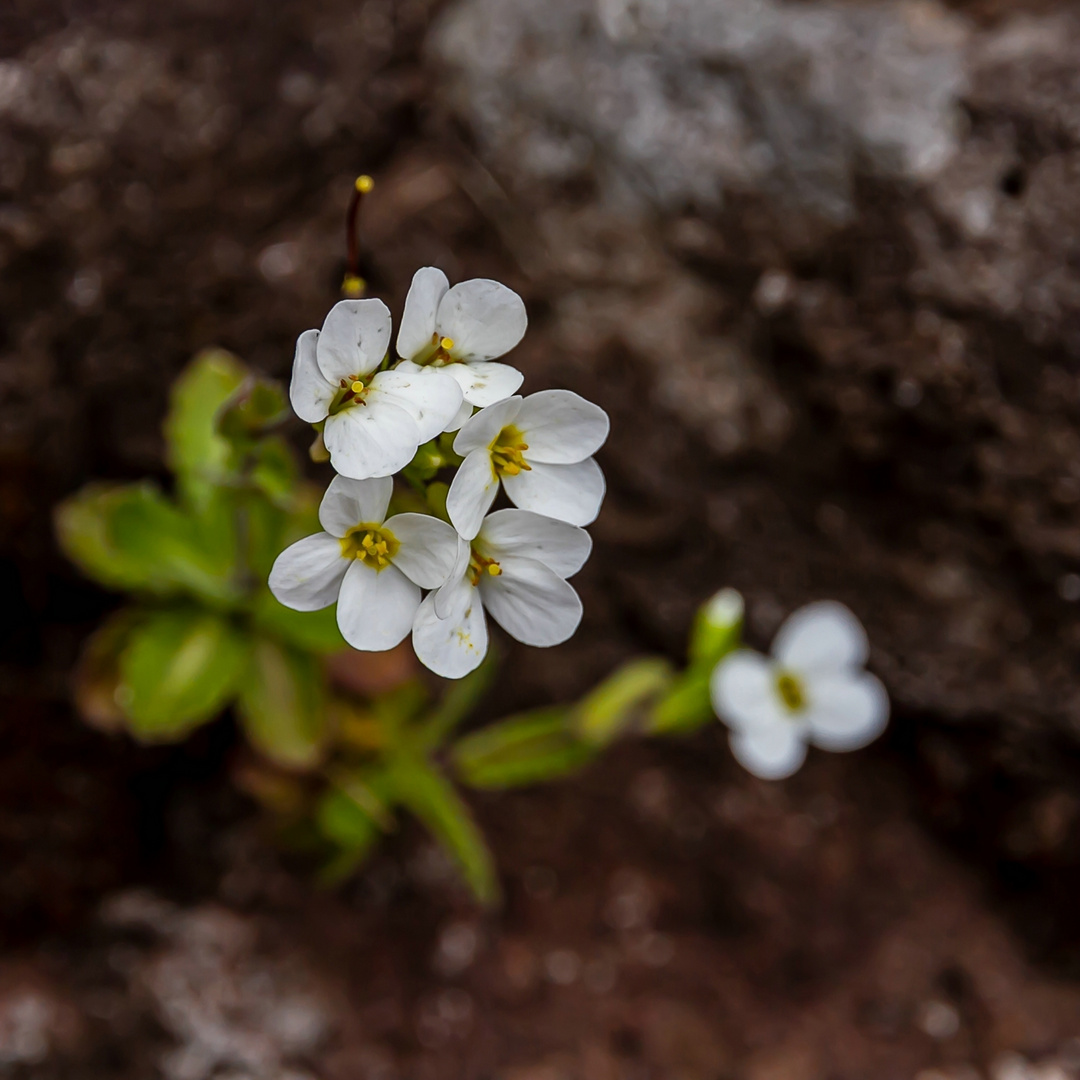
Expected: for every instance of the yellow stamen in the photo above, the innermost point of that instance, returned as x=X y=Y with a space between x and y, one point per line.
x=447 y=343
x=364 y=184
x=357 y=386
x=791 y=692
x=494 y=569
x=506 y=451
x=371 y=544
x=479 y=565
x=353 y=287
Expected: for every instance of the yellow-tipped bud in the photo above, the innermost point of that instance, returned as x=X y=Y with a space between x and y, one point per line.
x=357 y=387
x=353 y=287
x=364 y=184
x=447 y=343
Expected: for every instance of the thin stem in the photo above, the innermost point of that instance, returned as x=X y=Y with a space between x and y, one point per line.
x=353 y=285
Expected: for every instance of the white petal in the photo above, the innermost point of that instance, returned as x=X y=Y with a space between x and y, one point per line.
x=485 y=384
x=354 y=502
x=451 y=647
x=570 y=493
x=562 y=548
x=472 y=491
x=354 y=338
x=846 y=712
x=429 y=548
x=824 y=636
x=561 y=427
x=743 y=691
x=460 y=417
x=374 y=439
x=452 y=600
x=430 y=397
x=481 y=430
x=417 y=328
x=309 y=391
x=771 y=752
x=307 y=575
x=376 y=607
x=483 y=318
x=531 y=603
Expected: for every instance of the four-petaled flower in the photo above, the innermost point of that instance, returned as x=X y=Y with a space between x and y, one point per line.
x=373 y=419
x=516 y=569
x=373 y=567
x=540 y=448
x=461 y=330
x=812 y=689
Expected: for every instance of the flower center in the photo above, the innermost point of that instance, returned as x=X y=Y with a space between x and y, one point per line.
x=479 y=565
x=371 y=544
x=437 y=353
x=791 y=692
x=351 y=391
x=506 y=452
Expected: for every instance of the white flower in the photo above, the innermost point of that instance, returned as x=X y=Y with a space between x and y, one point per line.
x=373 y=422
x=812 y=689
x=374 y=568
x=460 y=330
x=540 y=447
x=516 y=569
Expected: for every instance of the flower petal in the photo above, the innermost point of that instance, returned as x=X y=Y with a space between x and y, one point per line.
x=309 y=391
x=824 y=636
x=743 y=691
x=846 y=712
x=376 y=607
x=481 y=430
x=451 y=647
x=430 y=397
x=307 y=575
x=429 y=286
x=570 y=493
x=455 y=596
x=562 y=548
x=531 y=603
x=429 y=548
x=561 y=427
x=354 y=502
x=354 y=339
x=483 y=318
x=771 y=752
x=374 y=439
x=472 y=491
x=484 y=383
x=460 y=417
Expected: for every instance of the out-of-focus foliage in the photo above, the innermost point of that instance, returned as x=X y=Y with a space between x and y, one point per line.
x=202 y=634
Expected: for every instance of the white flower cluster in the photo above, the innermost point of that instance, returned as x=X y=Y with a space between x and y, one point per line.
x=375 y=415
x=812 y=689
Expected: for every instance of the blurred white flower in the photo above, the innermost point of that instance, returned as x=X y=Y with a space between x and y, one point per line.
x=374 y=420
x=516 y=569
x=373 y=567
x=461 y=330
x=813 y=689
x=540 y=448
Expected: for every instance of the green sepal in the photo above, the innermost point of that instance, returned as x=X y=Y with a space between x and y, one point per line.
x=529 y=748
x=282 y=704
x=717 y=628
x=435 y=497
x=620 y=703
x=180 y=668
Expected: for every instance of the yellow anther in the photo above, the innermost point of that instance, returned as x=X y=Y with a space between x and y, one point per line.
x=494 y=569
x=510 y=468
x=447 y=342
x=380 y=547
x=368 y=541
x=357 y=386
x=364 y=184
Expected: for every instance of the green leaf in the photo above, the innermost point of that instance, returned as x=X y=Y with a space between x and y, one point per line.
x=274 y=471
x=180 y=668
x=619 y=703
x=529 y=748
x=97 y=674
x=282 y=704
x=195 y=450
x=313 y=631
x=440 y=809
x=255 y=406
x=459 y=700
x=684 y=708
x=133 y=538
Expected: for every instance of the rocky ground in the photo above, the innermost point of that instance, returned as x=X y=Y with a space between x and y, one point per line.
x=820 y=263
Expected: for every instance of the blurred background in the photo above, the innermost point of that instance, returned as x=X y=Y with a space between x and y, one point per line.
x=820 y=261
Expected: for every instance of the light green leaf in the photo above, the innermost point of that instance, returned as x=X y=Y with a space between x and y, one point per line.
x=684 y=708
x=282 y=704
x=195 y=450
x=313 y=631
x=619 y=703
x=180 y=668
x=528 y=748
x=274 y=471
x=440 y=809
x=256 y=405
